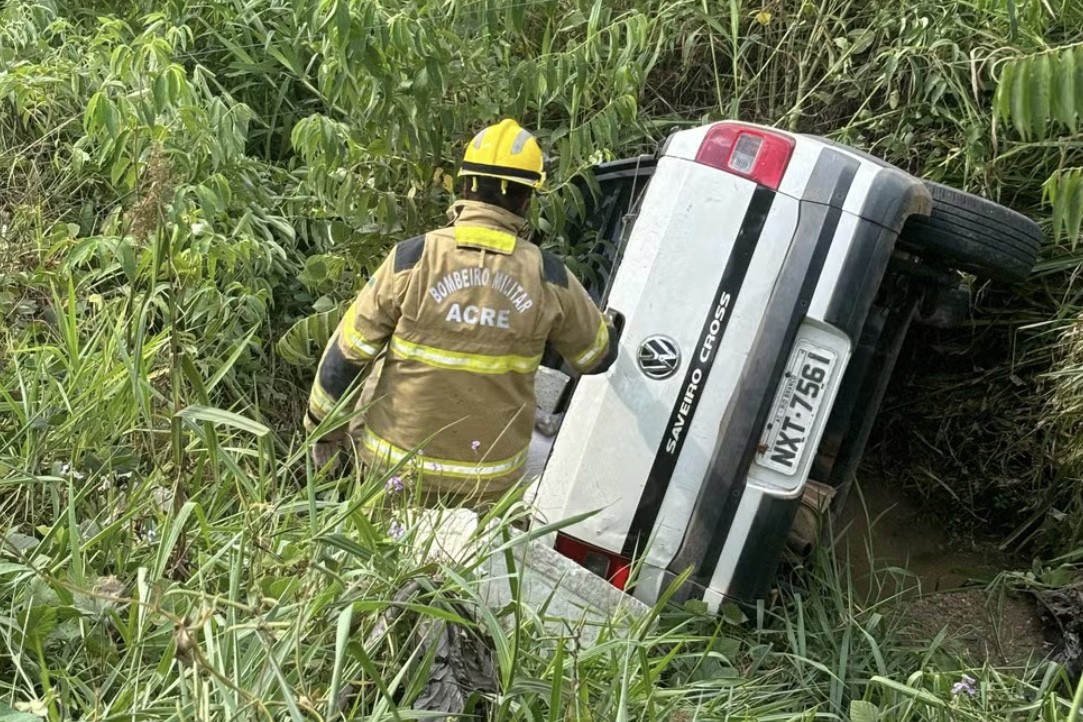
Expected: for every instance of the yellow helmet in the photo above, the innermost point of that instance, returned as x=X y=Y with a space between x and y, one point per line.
x=505 y=151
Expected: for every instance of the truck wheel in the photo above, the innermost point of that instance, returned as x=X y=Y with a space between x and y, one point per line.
x=973 y=234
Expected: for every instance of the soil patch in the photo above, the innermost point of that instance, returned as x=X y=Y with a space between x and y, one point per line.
x=941 y=576
x=1002 y=629
x=884 y=525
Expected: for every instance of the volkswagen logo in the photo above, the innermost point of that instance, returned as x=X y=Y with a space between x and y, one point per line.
x=658 y=358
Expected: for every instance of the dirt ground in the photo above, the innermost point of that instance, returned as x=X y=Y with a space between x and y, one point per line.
x=945 y=581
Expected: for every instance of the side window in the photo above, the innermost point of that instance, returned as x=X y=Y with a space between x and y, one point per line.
x=610 y=203
x=610 y=197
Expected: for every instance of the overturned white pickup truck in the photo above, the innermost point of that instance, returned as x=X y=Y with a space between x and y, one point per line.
x=763 y=283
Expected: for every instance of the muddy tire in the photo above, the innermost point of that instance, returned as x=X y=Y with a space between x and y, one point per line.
x=973 y=234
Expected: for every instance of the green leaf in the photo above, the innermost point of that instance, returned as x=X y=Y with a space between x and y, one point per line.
x=13 y=568
x=161 y=93
x=695 y=606
x=10 y=714
x=1064 y=191
x=556 y=689
x=176 y=82
x=75 y=541
x=37 y=623
x=1076 y=64
x=220 y=417
x=1064 y=96
x=348 y=545
x=303 y=343
x=1003 y=101
x=21 y=543
x=225 y=367
x=316 y=270
x=126 y=256
x=287 y=692
x=342 y=638
x=918 y=695
x=1073 y=208
x=1020 y=105
x=1036 y=91
x=209 y=201
x=322 y=271
x=92 y=115
x=733 y=614
x=862 y=711
x=107 y=116
x=1042 y=81
x=176 y=528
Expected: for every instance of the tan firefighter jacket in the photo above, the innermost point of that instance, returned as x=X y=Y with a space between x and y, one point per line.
x=464 y=314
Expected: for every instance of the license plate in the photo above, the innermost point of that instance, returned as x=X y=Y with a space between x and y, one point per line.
x=796 y=408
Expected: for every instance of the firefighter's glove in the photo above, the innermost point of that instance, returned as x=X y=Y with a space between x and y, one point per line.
x=327 y=452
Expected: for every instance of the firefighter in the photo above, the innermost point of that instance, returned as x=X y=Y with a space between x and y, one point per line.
x=461 y=317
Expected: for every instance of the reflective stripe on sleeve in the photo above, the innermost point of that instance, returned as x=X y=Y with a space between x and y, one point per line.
x=359 y=344
x=386 y=451
x=601 y=340
x=320 y=400
x=456 y=360
x=485 y=238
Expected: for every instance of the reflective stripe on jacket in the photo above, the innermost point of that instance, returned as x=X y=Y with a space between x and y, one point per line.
x=464 y=314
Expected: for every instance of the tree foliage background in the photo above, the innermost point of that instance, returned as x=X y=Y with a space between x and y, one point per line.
x=190 y=191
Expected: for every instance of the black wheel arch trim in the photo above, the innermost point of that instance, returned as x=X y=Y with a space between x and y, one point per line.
x=893 y=198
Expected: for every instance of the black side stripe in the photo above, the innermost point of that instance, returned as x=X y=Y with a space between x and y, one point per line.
x=721 y=493
x=699 y=368
x=892 y=198
x=529 y=175
x=408 y=253
x=860 y=277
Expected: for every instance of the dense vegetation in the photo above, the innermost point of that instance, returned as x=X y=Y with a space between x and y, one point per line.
x=190 y=191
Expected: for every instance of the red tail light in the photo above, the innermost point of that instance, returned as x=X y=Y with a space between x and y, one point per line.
x=750 y=152
x=605 y=564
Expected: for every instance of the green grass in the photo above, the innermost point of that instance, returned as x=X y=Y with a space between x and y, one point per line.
x=133 y=603
x=225 y=579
